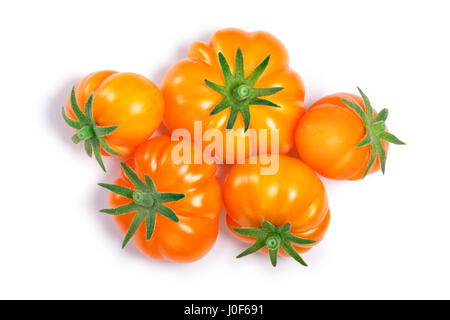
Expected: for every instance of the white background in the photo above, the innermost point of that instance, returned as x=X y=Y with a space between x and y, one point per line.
x=389 y=235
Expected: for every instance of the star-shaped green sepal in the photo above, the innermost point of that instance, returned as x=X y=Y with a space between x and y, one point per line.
x=375 y=131
x=88 y=131
x=273 y=237
x=239 y=92
x=146 y=201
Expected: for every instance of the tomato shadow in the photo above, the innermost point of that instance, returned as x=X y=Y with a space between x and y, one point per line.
x=99 y=200
x=63 y=132
x=314 y=94
x=53 y=117
x=158 y=74
x=176 y=55
x=112 y=234
x=224 y=232
x=227 y=243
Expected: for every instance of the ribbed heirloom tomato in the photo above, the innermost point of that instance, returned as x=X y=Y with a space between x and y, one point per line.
x=240 y=80
x=341 y=137
x=286 y=211
x=114 y=112
x=171 y=208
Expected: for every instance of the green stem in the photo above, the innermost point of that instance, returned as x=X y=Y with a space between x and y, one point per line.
x=144 y=199
x=273 y=242
x=85 y=133
x=242 y=92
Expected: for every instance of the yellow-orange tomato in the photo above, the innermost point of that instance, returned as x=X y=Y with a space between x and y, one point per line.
x=189 y=191
x=341 y=137
x=130 y=105
x=286 y=210
x=240 y=81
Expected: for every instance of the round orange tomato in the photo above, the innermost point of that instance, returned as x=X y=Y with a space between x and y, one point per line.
x=114 y=112
x=239 y=81
x=284 y=211
x=341 y=137
x=171 y=208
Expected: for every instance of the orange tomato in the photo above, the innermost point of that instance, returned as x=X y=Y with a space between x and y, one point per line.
x=286 y=211
x=180 y=203
x=123 y=110
x=341 y=137
x=240 y=80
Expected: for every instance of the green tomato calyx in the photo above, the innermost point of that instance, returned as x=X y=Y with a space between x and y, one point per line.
x=239 y=92
x=273 y=237
x=89 y=132
x=375 y=131
x=146 y=202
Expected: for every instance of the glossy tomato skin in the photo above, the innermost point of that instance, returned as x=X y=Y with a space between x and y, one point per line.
x=294 y=194
x=186 y=93
x=198 y=212
x=327 y=135
x=128 y=100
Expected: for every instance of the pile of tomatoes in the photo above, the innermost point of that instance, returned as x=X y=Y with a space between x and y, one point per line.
x=240 y=81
